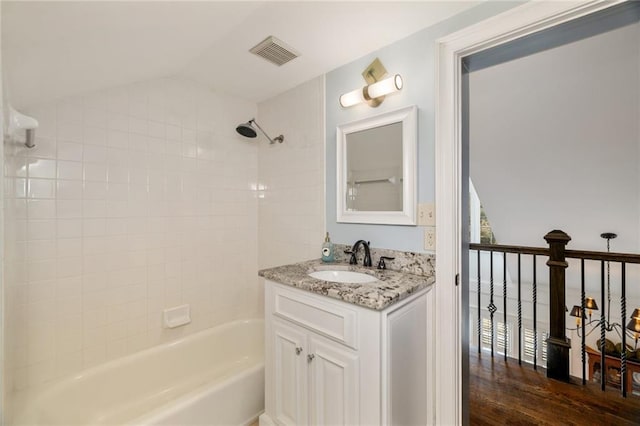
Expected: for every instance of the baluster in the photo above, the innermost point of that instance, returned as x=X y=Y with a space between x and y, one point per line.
x=505 y=329
x=479 y=308
x=603 y=368
x=583 y=319
x=623 y=311
x=491 y=307
x=535 y=315
x=519 y=314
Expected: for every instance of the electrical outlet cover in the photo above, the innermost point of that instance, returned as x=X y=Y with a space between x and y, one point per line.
x=430 y=238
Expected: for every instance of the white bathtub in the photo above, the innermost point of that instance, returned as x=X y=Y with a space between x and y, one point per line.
x=214 y=377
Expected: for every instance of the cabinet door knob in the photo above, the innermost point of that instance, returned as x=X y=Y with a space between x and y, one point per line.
x=298 y=350
x=310 y=357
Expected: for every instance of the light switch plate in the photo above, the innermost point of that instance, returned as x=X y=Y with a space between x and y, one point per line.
x=430 y=238
x=426 y=214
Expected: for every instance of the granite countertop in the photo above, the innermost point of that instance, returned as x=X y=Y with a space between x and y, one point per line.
x=390 y=287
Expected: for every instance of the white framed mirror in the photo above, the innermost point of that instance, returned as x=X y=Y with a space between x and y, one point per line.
x=377 y=169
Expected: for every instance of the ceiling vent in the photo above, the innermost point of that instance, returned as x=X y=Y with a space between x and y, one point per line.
x=274 y=51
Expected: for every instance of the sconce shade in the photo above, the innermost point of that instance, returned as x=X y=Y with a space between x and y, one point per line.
x=385 y=87
x=352 y=98
x=636 y=314
x=634 y=325
x=590 y=303
x=576 y=311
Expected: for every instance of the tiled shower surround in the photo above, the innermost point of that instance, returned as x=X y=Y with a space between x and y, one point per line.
x=291 y=202
x=135 y=199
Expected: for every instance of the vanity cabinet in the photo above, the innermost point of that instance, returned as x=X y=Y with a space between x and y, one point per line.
x=315 y=380
x=290 y=367
x=329 y=362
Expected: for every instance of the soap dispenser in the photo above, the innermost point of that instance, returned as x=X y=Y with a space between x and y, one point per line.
x=328 y=250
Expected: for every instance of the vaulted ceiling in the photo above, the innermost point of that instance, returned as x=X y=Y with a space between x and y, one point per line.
x=57 y=49
x=555 y=142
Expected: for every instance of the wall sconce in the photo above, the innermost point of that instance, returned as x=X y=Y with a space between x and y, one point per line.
x=376 y=89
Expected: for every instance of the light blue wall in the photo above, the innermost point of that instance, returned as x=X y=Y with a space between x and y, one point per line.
x=413 y=58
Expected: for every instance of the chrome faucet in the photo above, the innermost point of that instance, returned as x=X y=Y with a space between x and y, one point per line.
x=354 y=251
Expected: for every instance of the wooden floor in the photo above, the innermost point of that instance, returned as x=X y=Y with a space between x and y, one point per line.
x=508 y=394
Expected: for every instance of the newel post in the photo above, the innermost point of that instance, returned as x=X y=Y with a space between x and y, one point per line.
x=557 y=344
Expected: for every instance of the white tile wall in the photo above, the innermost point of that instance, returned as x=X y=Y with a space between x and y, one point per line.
x=135 y=199
x=291 y=186
x=3 y=379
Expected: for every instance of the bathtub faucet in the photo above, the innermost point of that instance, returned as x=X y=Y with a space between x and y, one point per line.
x=354 y=251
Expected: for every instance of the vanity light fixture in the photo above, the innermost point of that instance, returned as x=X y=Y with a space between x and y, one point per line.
x=378 y=86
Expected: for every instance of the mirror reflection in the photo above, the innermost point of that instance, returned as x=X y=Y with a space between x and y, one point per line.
x=374 y=169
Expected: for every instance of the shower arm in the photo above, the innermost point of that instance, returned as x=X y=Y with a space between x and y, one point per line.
x=280 y=138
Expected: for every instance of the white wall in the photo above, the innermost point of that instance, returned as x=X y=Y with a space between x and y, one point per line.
x=555 y=144
x=3 y=382
x=136 y=199
x=291 y=185
x=413 y=58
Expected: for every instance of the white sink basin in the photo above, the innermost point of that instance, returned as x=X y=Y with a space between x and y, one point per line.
x=349 y=277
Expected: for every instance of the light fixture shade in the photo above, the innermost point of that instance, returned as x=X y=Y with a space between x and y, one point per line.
x=384 y=87
x=590 y=303
x=576 y=311
x=634 y=325
x=636 y=314
x=352 y=98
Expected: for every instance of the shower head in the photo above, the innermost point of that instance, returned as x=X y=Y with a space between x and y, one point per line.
x=247 y=130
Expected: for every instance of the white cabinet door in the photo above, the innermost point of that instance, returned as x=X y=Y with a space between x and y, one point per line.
x=290 y=374
x=334 y=398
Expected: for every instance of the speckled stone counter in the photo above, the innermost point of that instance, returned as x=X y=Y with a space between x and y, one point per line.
x=390 y=287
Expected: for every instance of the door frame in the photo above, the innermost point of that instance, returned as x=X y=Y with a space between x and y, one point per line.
x=521 y=21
